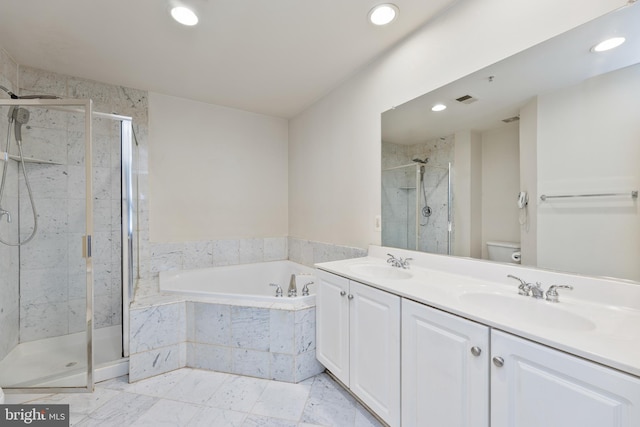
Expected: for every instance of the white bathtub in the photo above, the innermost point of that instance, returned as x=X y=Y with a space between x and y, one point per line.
x=244 y=281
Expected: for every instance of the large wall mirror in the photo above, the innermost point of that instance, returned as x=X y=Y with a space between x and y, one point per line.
x=535 y=160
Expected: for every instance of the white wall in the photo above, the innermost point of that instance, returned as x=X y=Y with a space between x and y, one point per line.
x=215 y=172
x=334 y=146
x=588 y=138
x=500 y=185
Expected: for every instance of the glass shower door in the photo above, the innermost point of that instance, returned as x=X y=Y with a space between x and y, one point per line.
x=46 y=270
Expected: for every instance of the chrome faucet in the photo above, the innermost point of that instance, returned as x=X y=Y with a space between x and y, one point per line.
x=293 y=289
x=536 y=290
x=523 y=287
x=278 y=289
x=399 y=262
x=305 y=289
x=552 y=294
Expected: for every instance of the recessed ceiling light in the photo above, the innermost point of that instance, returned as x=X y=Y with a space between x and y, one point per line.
x=184 y=16
x=438 y=107
x=608 y=44
x=383 y=14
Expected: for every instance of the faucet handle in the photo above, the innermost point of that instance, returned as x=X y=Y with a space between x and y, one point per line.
x=523 y=287
x=552 y=293
x=278 y=289
x=305 y=289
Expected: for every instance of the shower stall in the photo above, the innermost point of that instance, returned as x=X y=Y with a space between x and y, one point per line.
x=417 y=207
x=66 y=233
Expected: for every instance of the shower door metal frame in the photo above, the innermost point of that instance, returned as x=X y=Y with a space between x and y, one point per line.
x=82 y=106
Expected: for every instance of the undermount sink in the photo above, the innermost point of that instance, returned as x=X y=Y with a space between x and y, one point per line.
x=538 y=312
x=380 y=271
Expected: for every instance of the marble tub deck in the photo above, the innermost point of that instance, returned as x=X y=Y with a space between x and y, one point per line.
x=192 y=397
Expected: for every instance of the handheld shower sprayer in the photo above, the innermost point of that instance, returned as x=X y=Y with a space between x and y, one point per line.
x=19 y=116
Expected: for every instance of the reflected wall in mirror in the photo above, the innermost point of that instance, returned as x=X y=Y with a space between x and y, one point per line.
x=555 y=120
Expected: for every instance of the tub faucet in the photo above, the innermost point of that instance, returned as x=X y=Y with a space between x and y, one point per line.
x=293 y=290
x=305 y=289
x=278 y=289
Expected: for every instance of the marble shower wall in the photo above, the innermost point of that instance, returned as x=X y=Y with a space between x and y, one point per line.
x=9 y=298
x=51 y=267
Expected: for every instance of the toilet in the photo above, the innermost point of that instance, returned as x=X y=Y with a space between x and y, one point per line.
x=504 y=251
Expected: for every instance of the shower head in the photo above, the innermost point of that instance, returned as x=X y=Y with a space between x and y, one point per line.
x=424 y=162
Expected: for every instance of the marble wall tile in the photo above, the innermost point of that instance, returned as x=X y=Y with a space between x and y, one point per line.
x=46 y=250
x=157 y=326
x=226 y=252
x=210 y=357
x=197 y=255
x=281 y=326
x=77 y=315
x=166 y=256
x=305 y=330
x=10 y=323
x=42 y=140
x=155 y=362
x=275 y=248
x=251 y=250
x=307 y=366
x=250 y=328
x=39 y=285
x=43 y=321
x=212 y=324
x=282 y=367
x=308 y=252
x=102 y=312
x=252 y=363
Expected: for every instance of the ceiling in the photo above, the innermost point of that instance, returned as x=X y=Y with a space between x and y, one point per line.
x=275 y=58
x=560 y=62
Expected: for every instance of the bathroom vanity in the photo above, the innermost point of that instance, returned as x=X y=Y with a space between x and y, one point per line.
x=450 y=342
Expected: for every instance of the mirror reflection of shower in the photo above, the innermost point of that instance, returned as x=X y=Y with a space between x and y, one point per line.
x=417 y=195
x=426 y=209
x=17 y=116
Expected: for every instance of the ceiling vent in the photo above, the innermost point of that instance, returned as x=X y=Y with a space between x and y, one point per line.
x=511 y=119
x=466 y=99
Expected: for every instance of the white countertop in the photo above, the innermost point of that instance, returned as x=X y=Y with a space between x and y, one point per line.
x=588 y=322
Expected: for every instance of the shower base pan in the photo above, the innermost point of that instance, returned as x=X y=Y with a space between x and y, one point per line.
x=61 y=361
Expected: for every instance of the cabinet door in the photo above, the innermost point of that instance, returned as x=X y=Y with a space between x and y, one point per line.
x=332 y=324
x=375 y=350
x=445 y=369
x=538 y=386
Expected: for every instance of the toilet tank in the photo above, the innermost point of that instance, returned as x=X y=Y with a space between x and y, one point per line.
x=504 y=251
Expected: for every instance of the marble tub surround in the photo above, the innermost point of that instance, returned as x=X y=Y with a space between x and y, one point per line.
x=309 y=252
x=224 y=252
x=192 y=397
x=597 y=320
x=264 y=341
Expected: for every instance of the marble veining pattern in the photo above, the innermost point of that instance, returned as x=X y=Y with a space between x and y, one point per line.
x=266 y=343
x=190 y=397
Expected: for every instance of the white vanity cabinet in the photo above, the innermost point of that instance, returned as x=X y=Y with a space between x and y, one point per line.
x=533 y=385
x=445 y=369
x=358 y=340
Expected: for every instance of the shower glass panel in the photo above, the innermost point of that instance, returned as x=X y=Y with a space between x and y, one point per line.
x=46 y=283
x=416 y=208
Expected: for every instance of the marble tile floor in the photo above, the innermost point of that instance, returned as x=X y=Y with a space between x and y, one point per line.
x=192 y=397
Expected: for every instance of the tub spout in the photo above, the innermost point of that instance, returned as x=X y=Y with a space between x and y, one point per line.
x=293 y=290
